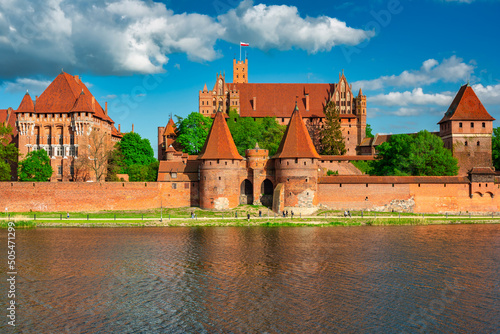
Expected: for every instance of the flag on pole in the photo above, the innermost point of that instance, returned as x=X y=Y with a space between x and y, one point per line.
x=244 y=44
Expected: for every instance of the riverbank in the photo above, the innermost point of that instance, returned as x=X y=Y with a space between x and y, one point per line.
x=253 y=222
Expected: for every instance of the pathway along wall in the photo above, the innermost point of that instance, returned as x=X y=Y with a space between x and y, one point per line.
x=407 y=194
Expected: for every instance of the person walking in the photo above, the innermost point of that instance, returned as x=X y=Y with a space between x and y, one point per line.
x=248 y=216
x=67 y=215
x=292 y=213
x=260 y=213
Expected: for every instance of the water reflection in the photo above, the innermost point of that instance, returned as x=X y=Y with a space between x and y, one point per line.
x=275 y=280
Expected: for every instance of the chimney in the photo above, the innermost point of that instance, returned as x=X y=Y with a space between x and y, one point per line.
x=307 y=101
x=132 y=127
x=254 y=103
x=106 y=108
x=119 y=128
x=93 y=104
x=76 y=78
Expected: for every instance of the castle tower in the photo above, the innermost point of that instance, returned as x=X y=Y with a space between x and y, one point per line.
x=219 y=168
x=161 y=143
x=466 y=129
x=296 y=165
x=360 y=102
x=257 y=159
x=240 y=71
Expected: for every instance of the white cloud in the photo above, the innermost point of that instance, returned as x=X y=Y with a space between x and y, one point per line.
x=452 y=69
x=488 y=94
x=281 y=27
x=26 y=84
x=135 y=36
x=415 y=97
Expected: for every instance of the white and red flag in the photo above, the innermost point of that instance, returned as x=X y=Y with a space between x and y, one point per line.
x=244 y=44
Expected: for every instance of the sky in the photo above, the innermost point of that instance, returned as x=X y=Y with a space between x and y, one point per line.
x=149 y=59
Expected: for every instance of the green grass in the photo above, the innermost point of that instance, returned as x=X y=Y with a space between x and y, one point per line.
x=18 y=224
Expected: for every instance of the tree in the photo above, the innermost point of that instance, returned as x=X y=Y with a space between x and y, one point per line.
x=8 y=152
x=368 y=131
x=116 y=164
x=145 y=173
x=93 y=155
x=419 y=155
x=193 y=132
x=35 y=167
x=247 y=132
x=495 y=142
x=332 y=141
x=136 y=150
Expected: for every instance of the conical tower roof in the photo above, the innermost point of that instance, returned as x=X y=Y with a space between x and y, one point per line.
x=170 y=128
x=219 y=143
x=296 y=142
x=466 y=107
x=82 y=104
x=26 y=104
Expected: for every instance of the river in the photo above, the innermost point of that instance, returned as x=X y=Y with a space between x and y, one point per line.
x=393 y=279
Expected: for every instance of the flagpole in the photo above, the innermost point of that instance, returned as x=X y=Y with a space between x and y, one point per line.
x=240 y=50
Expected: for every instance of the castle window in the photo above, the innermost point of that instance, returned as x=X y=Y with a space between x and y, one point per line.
x=226 y=163
x=220 y=178
x=460 y=124
x=478 y=143
x=282 y=120
x=305 y=163
x=466 y=144
x=218 y=161
x=59 y=170
x=296 y=160
x=471 y=124
x=484 y=124
x=173 y=175
x=72 y=170
x=174 y=185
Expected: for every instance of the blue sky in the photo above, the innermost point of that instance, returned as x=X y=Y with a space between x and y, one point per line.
x=149 y=59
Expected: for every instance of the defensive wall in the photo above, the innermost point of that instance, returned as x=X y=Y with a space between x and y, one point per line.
x=428 y=194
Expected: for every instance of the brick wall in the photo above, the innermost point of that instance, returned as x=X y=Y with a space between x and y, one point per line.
x=91 y=196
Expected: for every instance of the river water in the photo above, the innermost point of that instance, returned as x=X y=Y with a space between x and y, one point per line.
x=395 y=279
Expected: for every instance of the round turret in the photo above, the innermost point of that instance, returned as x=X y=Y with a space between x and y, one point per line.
x=257 y=157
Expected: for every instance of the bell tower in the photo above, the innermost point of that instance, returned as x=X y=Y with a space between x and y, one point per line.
x=240 y=71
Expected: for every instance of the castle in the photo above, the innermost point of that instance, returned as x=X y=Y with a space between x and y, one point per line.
x=60 y=121
x=295 y=177
x=277 y=100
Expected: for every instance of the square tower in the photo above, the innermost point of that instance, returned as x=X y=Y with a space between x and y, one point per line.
x=240 y=71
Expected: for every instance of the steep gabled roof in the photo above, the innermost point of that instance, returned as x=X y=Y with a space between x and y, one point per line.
x=277 y=99
x=62 y=94
x=83 y=103
x=26 y=104
x=170 y=128
x=466 y=107
x=296 y=142
x=219 y=143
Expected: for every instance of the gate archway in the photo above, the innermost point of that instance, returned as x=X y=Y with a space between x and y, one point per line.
x=246 y=192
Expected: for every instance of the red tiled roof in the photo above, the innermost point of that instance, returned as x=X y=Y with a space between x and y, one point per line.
x=380 y=139
x=170 y=128
x=367 y=141
x=83 y=103
x=276 y=100
x=362 y=179
x=219 y=143
x=9 y=119
x=483 y=171
x=178 y=166
x=115 y=132
x=26 y=104
x=466 y=106
x=62 y=94
x=347 y=157
x=296 y=142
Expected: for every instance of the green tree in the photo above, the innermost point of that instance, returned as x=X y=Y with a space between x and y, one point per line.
x=332 y=141
x=144 y=173
x=192 y=132
x=368 y=131
x=247 y=131
x=495 y=142
x=116 y=164
x=419 y=155
x=136 y=150
x=8 y=152
x=35 y=167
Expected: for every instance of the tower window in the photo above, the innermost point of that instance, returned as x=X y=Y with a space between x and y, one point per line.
x=460 y=124
x=484 y=124
x=466 y=143
x=478 y=143
x=471 y=124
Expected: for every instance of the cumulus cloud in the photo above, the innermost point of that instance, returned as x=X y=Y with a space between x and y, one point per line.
x=281 y=27
x=488 y=94
x=414 y=97
x=135 y=36
x=26 y=84
x=452 y=69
